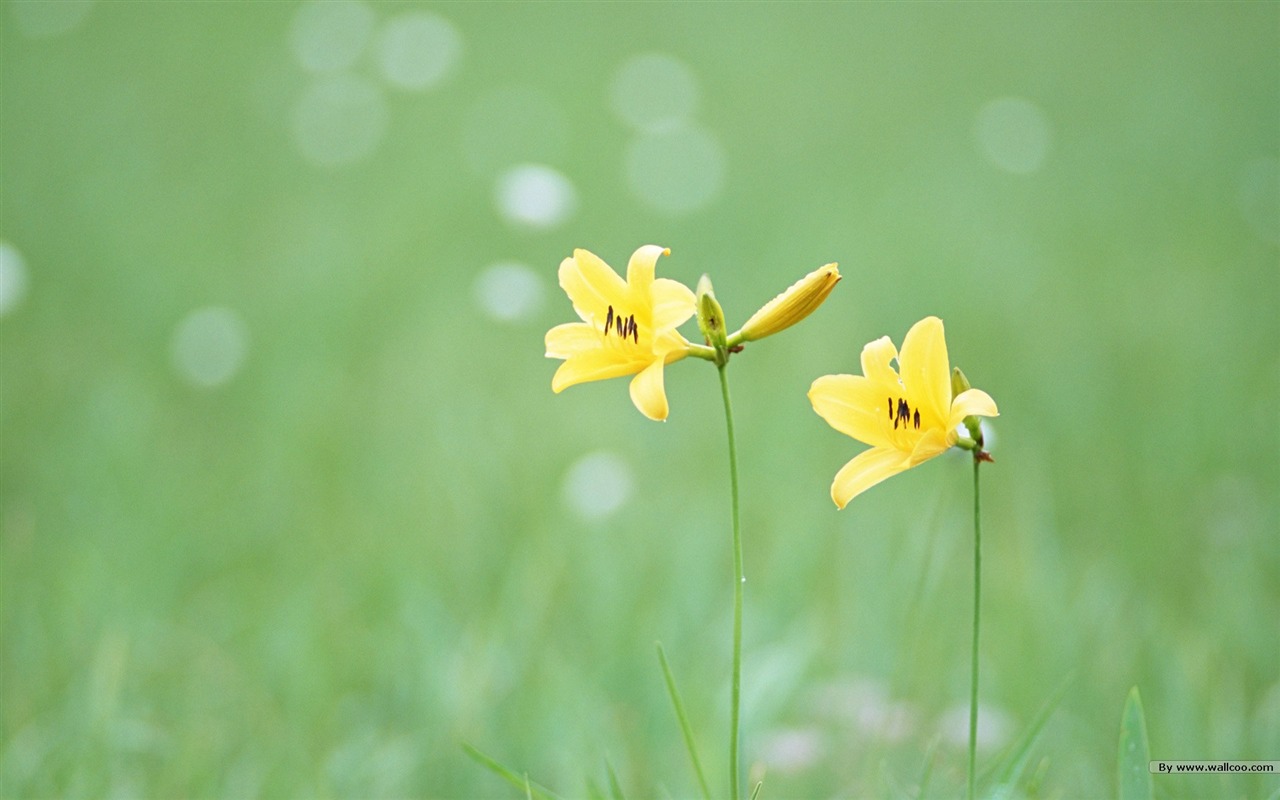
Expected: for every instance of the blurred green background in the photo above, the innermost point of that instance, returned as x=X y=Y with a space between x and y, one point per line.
x=289 y=508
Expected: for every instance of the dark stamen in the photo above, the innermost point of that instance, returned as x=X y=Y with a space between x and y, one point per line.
x=608 y=321
x=917 y=419
x=635 y=329
x=890 y=408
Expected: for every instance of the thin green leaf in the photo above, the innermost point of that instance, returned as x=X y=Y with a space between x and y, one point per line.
x=928 y=769
x=509 y=775
x=755 y=793
x=1135 y=755
x=594 y=792
x=685 y=728
x=614 y=785
x=1014 y=762
x=528 y=791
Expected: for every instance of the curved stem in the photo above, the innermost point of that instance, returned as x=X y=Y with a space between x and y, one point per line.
x=977 y=616
x=739 y=579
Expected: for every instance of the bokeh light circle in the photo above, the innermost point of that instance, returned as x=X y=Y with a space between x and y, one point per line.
x=330 y=35
x=654 y=92
x=509 y=292
x=418 y=50
x=1013 y=134
x=339 y=120
x=675 y=171
x=209 y=346
x=535 y=196
x=597 y=485
x=13 y=278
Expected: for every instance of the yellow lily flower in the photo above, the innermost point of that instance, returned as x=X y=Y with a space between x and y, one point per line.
x=628 y=327
x=907 y=418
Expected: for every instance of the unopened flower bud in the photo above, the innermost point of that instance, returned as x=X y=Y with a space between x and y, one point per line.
x=793 y=305
x=711 y=316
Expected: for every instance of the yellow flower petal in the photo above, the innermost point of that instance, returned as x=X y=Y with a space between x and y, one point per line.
x=935 y=442
x=591 y=285
x=926 y=372
x=972 y=402
x=641 y=266
x=864 y=471
x=875 y=362
x=670 y=345
x=673 y=303
x=592 y=365
x=648 y=394
x=571 y=338
x=852 y=405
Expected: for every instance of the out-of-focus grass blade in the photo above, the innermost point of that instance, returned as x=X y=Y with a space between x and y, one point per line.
x=684 y=721
x=614 y=785
x=928 y=770
x=1135 y=755
x=528 y=791
x=1010 y=768
x=509 y=775
x=594 y=792
x=755 y=793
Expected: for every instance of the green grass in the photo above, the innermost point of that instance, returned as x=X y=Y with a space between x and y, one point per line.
x=323 y=576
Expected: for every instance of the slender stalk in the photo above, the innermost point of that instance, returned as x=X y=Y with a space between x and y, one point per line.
x=739 y=579
x=977 y=616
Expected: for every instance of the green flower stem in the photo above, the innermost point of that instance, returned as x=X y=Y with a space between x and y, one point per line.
x=702 y=351
x=977 y=616
x=736 y=690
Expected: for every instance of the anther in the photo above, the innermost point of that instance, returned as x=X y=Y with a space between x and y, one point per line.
x=608 y=321
x=917 y=419
x=890 y=408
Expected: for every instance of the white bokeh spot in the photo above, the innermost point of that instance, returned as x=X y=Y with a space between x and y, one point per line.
x=654 y=92
x=597 y=485
x=535 y=196
x=509 y=292
x=1013 y=134
x=339 y=120
x=13 y=278
x=330 y=35
x=209 y=346
x=676 y=171
x=417 y=50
